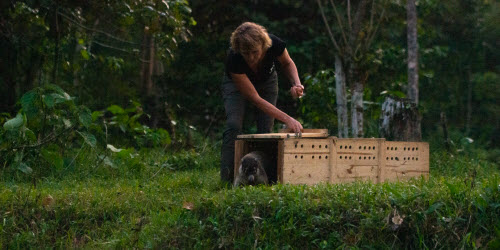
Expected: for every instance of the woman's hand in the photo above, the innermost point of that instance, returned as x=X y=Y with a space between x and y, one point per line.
x=297 y=91
x=294 y=125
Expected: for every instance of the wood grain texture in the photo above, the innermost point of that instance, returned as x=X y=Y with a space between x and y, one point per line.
x=405 y=160
x=283 y=136
x=240 y=150
x=306 y=161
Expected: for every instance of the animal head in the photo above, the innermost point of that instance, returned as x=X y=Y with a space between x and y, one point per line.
x=250 y=167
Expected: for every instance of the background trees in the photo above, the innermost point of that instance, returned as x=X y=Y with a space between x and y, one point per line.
x=169 y=56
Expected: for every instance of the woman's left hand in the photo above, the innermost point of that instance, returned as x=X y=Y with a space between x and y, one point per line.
x=297 y=91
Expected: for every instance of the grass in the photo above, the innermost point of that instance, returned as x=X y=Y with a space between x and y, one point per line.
x=175 y=200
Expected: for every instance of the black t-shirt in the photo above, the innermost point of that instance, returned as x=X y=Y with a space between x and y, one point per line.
x=237 y=65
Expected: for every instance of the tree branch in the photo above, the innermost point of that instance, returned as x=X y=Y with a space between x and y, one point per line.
x=340 y=22
x=328 y=26
x=96 y=30
x=349 y=14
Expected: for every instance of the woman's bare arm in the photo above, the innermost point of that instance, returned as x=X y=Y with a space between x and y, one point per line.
x=247 y=89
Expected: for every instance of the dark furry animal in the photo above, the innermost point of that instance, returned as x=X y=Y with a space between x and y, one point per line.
x=252 y=169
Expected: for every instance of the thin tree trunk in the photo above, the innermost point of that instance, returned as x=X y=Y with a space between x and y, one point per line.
x=412 y=51
x=56 y=48
x=469 y=104
x=357 y=109
x=147 y=62
x=343 y=126
x=151 y=62
x=444 y=124
x=356 y=102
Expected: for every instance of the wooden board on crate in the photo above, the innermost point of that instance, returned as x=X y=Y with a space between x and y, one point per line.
x=286 y=133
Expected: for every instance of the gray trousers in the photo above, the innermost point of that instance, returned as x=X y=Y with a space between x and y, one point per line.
x=235 y=103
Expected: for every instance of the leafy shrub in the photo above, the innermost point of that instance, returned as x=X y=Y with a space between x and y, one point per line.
x=48 y=124
x=126 y=123
x=50 y=131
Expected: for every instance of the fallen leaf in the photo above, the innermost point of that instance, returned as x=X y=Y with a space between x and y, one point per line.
x=48 y=202
x=188 y=205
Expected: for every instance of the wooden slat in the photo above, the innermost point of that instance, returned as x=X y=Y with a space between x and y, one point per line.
x=282 y=136
x=306 y=169
x=306 y=130
x=281 y=160
x=405 y=160
x=357 y=159
x=333 y=160
x=240 y=149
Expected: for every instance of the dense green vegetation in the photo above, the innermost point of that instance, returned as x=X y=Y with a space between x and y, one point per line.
x=176 y=200
x=111 y=118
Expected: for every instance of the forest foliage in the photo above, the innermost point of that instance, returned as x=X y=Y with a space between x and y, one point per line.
x=99 y=52
x=111 y=118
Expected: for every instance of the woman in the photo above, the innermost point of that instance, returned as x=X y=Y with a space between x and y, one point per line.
x=251 y=75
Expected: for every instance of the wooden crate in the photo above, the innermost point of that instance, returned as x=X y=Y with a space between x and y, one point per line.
x=314 y=157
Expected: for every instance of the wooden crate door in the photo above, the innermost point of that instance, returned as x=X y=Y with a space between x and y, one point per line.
x=357 y=159
x=405 y=160
x=306 y=161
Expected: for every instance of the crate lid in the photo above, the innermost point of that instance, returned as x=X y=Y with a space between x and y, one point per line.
x=285 y=133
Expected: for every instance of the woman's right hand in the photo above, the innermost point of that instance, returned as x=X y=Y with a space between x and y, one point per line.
x=294 y=125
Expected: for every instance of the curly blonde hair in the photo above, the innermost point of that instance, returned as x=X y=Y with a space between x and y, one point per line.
x=249 y=36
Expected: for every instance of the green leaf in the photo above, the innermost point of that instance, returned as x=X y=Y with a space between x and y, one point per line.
x=85 y=54
x=49 y=100
x=96 y=114
x=85 y=117
x=14 y=123
x=53 y=157
x=88 y=138
x=434 y=207
x=115 y=109
x=28 y=102
x=58 y=98
x=30 y=135
x=24 y=168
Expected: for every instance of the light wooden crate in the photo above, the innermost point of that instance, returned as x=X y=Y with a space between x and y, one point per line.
x=314 y=157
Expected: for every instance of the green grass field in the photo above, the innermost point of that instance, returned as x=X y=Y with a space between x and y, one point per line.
x=176 y=201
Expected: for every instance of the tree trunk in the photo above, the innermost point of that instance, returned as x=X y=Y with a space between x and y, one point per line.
x=356 y=102
x=468 y=117
x=343 y=126
x=411 y=12
x=56 y=49
x=400 y=120
x=444 y=124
